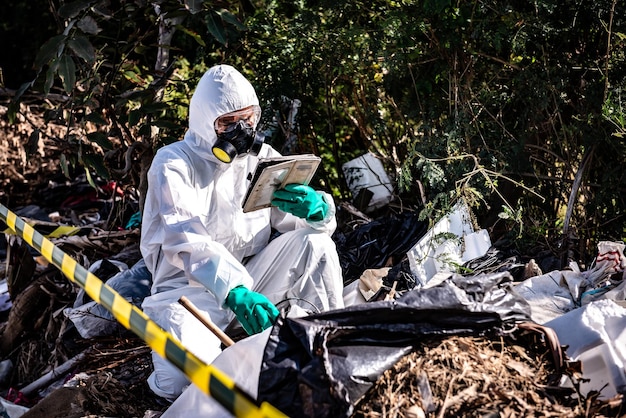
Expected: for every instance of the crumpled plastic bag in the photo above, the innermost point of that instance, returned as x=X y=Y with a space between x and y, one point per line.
x=321 y=365
x=92 y=319
x=10 y=410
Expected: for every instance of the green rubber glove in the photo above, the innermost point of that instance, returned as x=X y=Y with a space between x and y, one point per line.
x=253 y=310
x=302 y=201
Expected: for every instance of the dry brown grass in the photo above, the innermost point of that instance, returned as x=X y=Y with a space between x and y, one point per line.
x=477 y=377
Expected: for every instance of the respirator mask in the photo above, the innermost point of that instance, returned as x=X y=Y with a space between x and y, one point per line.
x=236 y=134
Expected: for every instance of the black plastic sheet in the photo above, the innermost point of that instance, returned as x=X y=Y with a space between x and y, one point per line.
x=321 y=365
x=372 y=245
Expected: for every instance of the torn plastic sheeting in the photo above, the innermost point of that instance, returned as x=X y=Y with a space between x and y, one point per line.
x=371 y=245
x=496 y=260
x=595 y=335
x=321 y=365
x=10 y=410
x=558 y=292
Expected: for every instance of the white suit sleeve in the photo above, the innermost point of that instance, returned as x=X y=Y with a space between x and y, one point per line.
x=186 y=243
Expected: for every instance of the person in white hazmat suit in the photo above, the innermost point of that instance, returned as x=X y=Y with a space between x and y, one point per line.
x=197 y=241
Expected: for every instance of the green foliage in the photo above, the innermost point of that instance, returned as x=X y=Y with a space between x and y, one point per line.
x=116 y=88
x=494 y=101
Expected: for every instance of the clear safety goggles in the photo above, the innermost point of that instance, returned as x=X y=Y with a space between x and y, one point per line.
x=250 y=115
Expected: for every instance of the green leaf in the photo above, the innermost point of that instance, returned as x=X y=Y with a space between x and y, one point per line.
x=101 y=139
x=154 y=107
x=95 y=118
x=215 y=27
x=144 y=130
x=50 y=74
x=32 y=147
x=71 y=10
x=193 y=34
x=96 y=162
x=231 y=18
x=89 y=178
x=102 y=9
x=134 y=116
x=139 y=95
x=67 y=72
x=64 y=166
x=83 y=48
x=21 y=90
x=161 y=123
x=133 y=77
x=51 y=49
x=12 y=112
x=88 y=25
x=194 y=6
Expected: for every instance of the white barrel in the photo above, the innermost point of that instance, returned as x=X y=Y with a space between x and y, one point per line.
x=368 y=182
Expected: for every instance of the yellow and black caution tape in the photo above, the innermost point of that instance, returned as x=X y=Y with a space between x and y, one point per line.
x=48 y=229
x=207 y=377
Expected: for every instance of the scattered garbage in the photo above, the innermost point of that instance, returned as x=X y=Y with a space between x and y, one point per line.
x=560 y=291
x=10 y=410
x=500 y=258
x=595 y=335
x=92 y=319
x=430 y=310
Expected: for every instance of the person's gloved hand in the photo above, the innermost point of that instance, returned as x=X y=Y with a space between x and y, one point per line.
x=302 y=201
x=253 y=310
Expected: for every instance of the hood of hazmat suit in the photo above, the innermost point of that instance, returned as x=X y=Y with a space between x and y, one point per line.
x=194 y=230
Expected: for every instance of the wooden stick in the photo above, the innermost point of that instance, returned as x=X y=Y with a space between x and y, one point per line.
x=206 y=321
x=392 y=292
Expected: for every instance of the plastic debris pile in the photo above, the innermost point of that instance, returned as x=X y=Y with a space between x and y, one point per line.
x=438 y=322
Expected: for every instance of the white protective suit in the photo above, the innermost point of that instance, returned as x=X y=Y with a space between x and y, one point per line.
x=197 y=242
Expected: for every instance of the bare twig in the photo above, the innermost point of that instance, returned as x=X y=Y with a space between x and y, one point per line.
x=137 y=145
x=498 y=60
x=608 y=52
x=574 y=192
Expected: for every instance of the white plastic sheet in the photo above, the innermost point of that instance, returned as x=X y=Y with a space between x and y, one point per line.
x=595 y=335
x=438 y=252
x=366 y=173
x=241 y=362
